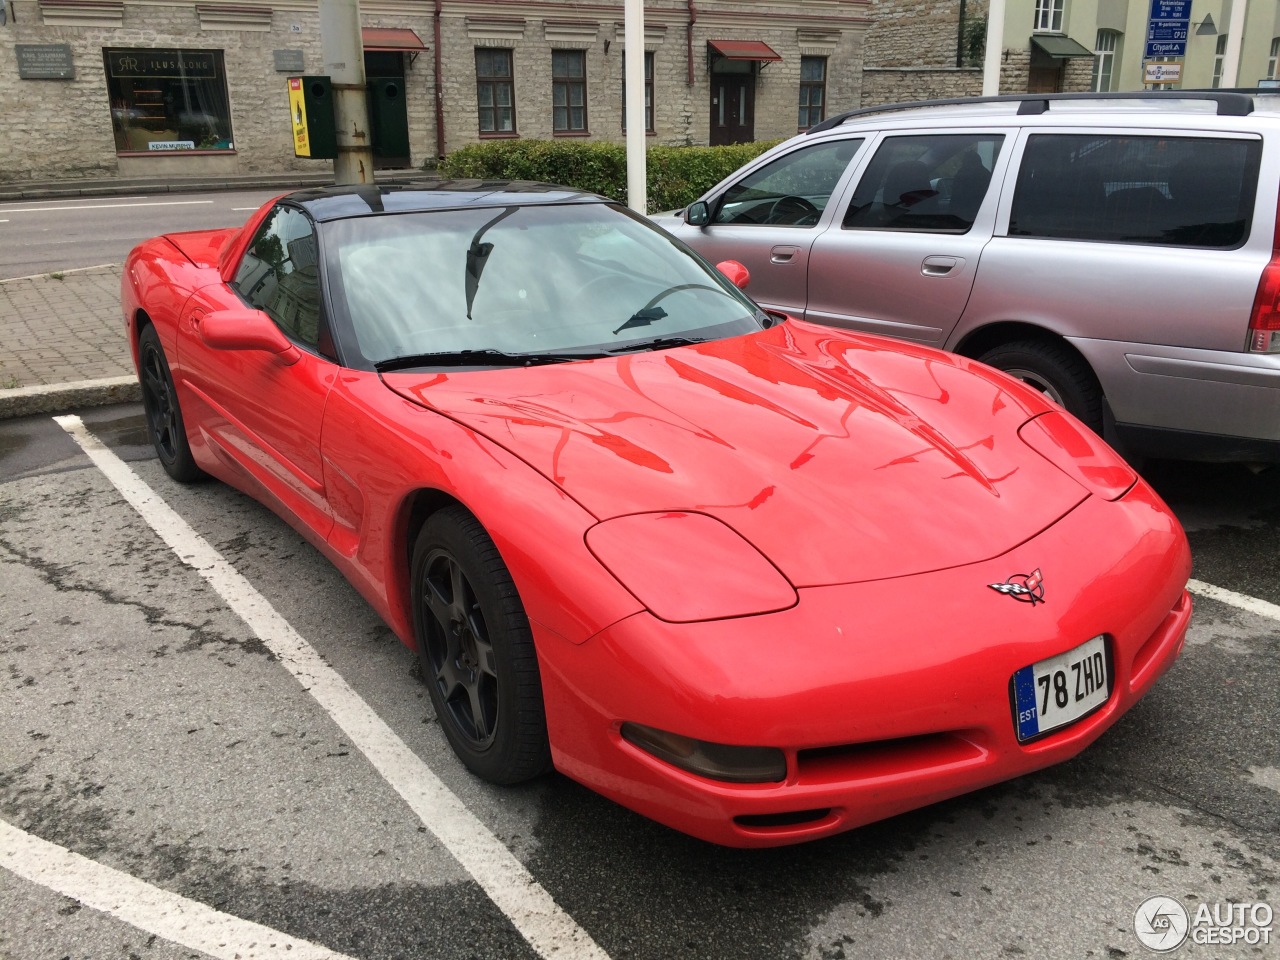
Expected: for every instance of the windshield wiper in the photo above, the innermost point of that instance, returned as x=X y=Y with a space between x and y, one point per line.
x=658 y=343
x=478 y=358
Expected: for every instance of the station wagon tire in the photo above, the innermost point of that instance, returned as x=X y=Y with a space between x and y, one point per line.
x=165 y=425
x=1057 y=372
x=477 y=651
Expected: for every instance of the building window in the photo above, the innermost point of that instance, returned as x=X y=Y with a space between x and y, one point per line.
x=495 y=91
x=1219 y=58
x=1271 y=60
x=1104 y=60
x=168 y=100
x=1048 y=15
x=569 y=91
x=648 y=93
x=813 y=91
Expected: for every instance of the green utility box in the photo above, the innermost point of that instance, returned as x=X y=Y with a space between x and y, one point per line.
x=388 y=118
x=315 y=134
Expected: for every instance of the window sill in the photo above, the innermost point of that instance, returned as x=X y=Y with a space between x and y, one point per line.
x=499 y=136
x=571 y=133
x=176 y=153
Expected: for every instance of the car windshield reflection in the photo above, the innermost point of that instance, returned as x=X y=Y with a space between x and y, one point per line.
x=550 y=283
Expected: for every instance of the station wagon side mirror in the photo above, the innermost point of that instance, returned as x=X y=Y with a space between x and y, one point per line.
x=246 y=329
x=697 y=214
x=738 y=275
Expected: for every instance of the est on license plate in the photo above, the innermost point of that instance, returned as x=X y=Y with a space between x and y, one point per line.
x=1060 y=690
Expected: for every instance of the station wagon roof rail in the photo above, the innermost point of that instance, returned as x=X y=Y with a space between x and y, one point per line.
x=1229 y=103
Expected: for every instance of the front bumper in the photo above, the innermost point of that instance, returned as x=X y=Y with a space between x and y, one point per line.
x=885 y=696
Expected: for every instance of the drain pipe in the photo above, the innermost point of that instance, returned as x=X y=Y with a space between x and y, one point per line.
x=693 y=18
x=439 y=82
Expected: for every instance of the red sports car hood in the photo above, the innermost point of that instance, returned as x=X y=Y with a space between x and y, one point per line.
x=842 y=458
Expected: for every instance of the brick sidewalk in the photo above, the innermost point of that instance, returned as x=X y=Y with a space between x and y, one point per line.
x=55 y=331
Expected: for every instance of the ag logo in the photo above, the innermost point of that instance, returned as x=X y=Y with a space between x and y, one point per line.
x=1161 y=923
x=1025 y=587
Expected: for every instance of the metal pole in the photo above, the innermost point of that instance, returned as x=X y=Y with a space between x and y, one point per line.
x=960 y=37
x=1235 y=40
x=344 y=63
x=995 y=49
x=633 y=37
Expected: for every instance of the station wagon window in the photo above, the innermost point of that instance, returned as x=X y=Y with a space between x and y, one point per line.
x=279 y=275
x=790 y=191
x=931 y=184
x=1176 y=191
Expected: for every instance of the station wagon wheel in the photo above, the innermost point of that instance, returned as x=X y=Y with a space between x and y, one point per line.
x=476 y=650
x=1057 y=372
x=164 y=416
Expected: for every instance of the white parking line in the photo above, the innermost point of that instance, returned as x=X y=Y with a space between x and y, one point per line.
x=106 y=206
x=1262 y=608
x=177 y=919
x=530 y=908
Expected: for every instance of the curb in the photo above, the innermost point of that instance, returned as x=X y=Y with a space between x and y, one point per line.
x=60 y=397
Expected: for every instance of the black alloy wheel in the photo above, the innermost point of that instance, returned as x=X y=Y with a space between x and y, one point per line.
x=477 y=652
x=164 y=417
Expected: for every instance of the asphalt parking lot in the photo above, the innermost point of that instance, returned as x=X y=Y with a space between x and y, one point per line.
x=234 y=787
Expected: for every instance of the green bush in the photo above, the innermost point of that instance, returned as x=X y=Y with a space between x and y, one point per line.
x=676 y=175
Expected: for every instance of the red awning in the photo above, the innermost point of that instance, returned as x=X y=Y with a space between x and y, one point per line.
x=376 y=38
x=743 y=50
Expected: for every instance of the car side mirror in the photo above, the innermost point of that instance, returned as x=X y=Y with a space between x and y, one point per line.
x=246 y=329
x=697 y=214
x=738 y=275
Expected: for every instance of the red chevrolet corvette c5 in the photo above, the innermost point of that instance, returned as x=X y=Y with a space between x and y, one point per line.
x=757 y=579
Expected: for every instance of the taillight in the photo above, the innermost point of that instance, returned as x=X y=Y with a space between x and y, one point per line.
x=1264 y=322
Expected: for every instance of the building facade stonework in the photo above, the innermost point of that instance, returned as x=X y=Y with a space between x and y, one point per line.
x=170 y=88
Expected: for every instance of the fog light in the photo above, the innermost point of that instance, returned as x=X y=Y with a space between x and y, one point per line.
x=718 y=761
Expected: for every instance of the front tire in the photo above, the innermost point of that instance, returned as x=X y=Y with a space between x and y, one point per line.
x=1057 y=372
x=165 y=425
x=477 y=651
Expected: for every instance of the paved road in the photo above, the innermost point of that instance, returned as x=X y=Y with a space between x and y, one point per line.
x=146 y=727
x=87 y=232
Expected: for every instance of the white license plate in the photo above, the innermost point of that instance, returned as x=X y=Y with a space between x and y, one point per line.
x=1060 y=690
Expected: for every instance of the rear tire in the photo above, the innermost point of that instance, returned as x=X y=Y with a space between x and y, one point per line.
x=477 y=651
x=165 y=425
x=1055 y=371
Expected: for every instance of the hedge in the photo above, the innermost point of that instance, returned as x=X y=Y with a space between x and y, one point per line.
x=677 y=175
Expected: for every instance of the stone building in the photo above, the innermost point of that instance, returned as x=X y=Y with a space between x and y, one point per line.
x=917 y=50
x=140 y=88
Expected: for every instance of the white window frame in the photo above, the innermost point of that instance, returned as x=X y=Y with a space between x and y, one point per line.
x=1104 y=60
x=1273 y=58
x=1219 y=60
x=1048 y=16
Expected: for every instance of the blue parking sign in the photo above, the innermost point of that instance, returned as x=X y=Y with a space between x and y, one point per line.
x=1167 y=28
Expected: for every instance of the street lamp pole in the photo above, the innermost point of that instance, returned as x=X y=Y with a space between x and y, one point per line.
x=344 y=64
x=633 y=38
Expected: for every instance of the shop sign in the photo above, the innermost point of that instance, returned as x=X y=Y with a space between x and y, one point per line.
x=171 y=145
x=298 y=116
x=45 y=61
x=173 y=64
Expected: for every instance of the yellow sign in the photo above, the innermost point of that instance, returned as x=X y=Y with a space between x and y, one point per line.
x=298 y=115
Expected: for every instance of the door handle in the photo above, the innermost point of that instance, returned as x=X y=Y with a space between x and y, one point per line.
x=783 y=254
x=940 y=266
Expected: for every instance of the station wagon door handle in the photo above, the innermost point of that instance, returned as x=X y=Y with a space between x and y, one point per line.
x=940 y=266
x=783 y=254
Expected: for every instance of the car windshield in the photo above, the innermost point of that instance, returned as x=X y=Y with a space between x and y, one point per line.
x=497 y=284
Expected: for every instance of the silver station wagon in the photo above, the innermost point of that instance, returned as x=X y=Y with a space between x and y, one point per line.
x=1117 y=251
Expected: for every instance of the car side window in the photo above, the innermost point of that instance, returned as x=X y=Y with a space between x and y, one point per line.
x=792 y=190
x=280 y=276
x=932 y=184
x=1175 y=191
